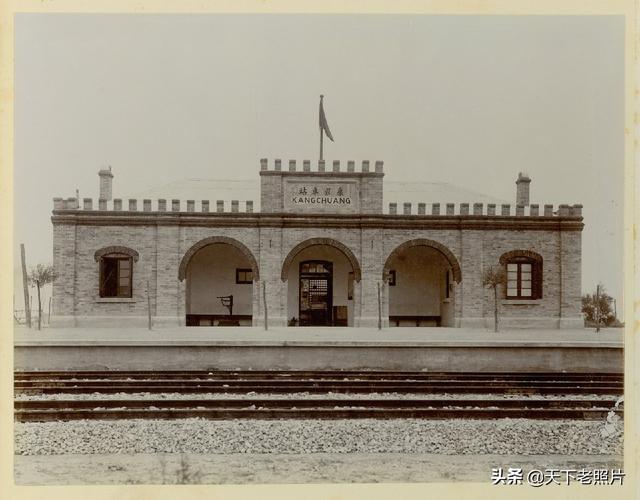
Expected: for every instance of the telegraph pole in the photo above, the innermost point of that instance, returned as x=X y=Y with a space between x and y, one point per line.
x=597 y=310
x=321 y=128
x=25 y=284
x=264 y=301
x=148 y=306
x=379 y=308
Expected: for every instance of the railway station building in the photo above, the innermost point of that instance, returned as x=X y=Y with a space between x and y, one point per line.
x=321 y=249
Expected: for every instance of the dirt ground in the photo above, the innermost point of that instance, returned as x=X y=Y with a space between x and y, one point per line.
x=284 y=469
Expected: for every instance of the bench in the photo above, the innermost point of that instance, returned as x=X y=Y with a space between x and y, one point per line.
x=218 y=319
x=396 y=320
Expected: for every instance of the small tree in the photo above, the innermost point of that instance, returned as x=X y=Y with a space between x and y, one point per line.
x=492 y=278
x=40 y=276
x=597 y=308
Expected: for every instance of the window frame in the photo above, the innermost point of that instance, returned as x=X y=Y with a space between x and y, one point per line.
x=245 y=270
x=535 y=278
x=118 y=257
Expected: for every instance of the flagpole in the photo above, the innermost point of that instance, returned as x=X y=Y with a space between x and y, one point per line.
x=321 y=131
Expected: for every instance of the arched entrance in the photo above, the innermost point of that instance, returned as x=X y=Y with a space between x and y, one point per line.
x=322 y=278
x=220 y=275
x=421 y=276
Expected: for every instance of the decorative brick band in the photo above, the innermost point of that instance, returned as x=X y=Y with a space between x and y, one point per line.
x=116 y=249
x=357 y=273
x=423 y=242
x=244 y=250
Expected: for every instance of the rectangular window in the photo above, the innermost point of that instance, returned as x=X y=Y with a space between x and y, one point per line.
x=520 y=281
x=115 y=277
x=512 y=280
x=244 y=276
x=392 y=277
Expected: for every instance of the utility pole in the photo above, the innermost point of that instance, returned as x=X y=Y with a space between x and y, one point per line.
x=379 y=308
x=264 y=301
x=25 y=283
x=148 y=306
x=39 y=306
x=597 y=310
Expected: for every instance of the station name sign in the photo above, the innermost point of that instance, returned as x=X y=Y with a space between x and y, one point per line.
x=327 y=195
x=313 y=196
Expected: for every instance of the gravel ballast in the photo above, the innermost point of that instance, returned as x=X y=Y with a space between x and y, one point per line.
x=448 y=437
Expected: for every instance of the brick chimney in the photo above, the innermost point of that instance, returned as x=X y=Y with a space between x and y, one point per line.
x=106 y=183
x=522 y=189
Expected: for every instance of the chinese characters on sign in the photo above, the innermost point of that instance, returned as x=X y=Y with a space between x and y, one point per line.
x=537 y=478
x=328 y=196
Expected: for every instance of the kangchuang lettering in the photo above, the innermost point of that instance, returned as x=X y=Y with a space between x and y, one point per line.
x=322 y=200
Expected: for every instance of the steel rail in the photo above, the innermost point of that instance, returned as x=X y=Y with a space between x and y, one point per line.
x=51 y=404
x=405 y=388
x=310 y=413
x=39 y=375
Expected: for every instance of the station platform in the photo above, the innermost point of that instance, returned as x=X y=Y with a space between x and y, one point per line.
x=322 y=348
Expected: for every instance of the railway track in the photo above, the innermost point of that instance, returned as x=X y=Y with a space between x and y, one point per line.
x=281 y=382
x=315 y=374
x=48 y=410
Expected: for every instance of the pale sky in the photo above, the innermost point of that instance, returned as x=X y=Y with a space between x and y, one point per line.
x=466 y=100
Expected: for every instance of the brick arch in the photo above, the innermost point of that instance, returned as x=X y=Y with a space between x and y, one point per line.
x=530 y=254
x=423 y=242
x=212 y=240
x=355 y=265
x=116 y=249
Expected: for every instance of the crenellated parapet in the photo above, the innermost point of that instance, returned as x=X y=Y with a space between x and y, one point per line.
x=236 y=206
x=480 y=209
x=156 y=206
x=321 y=167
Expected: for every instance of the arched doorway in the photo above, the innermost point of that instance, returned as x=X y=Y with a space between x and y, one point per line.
x=322 y=278
x=421 y=277
x=220 y=278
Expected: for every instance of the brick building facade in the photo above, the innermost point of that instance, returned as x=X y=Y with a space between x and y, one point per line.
x=321 y=251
